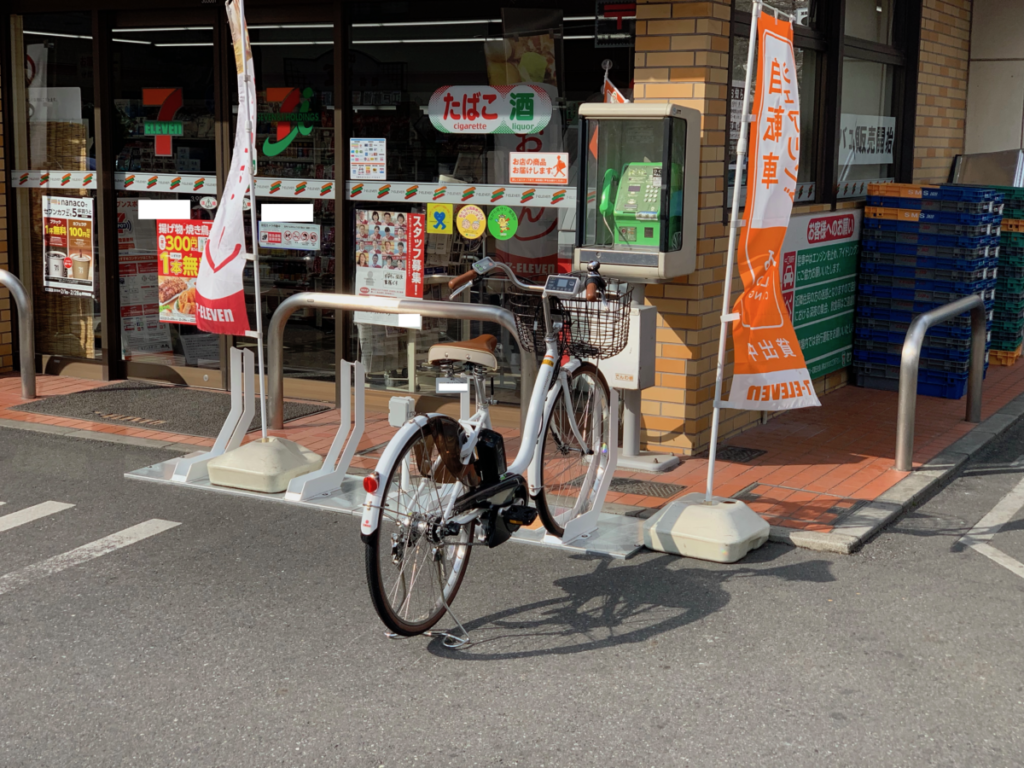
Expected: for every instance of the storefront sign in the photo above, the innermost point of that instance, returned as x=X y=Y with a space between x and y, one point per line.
x=819 y=285
x=522 y=109
x=769 y=370
x=390 y=248
x=439 y=218
x=866 y=140
x=141 y=330
x=502 y=222
x=295 y=108
x=299 y=237
x=180 y=246
x=68 y=263
x=538 y=168
x=368 y=159
x=169 y=100
x=614 y=24
x=471 y=221
x=134 y=234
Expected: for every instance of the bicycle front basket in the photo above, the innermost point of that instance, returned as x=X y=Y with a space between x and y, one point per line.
x=599 y=329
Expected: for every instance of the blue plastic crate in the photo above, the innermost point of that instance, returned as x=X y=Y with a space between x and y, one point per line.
x=956 y=351
x=920 y=295
x=951 y=390
x=959 y=192
x=947 y=277
x=905 y=311
x=965 y=219
x=957 y=230
x=927 y=238
x=962 y=206
x=907 y=203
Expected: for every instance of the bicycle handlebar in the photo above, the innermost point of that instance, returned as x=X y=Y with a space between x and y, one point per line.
x=467 y=277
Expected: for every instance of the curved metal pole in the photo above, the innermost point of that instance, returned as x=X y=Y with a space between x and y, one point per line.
x=911 y=362
x=444 y=309
x=26 y=333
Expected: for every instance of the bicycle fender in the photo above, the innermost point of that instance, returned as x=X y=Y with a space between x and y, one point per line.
x=433 y=422
x=371 y=507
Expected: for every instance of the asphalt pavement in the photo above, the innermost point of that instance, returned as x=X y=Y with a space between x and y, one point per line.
x=244 y=635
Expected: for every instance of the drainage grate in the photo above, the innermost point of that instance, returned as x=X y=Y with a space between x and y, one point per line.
x=735 y=454
x=644 y=487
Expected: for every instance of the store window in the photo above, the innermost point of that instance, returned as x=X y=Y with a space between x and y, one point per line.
x=867 y=131
x=435 y=83
x=54 y=155
x=164 y=149
x=804 y=12
x=870 y=20
x=807 y=80
x=295 y=153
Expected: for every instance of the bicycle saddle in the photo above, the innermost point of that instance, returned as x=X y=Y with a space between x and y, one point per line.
x=478 y=351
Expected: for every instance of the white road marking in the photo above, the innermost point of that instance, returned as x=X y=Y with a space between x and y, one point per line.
x=1002 y=513
x=29 y=514
x=82 y=554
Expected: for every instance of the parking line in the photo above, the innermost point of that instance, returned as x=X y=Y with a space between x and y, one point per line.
x=1002 y=513
x=29 y=514
x=82 y=554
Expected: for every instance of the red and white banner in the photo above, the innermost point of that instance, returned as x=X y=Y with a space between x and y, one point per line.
x=611 y=94
x=220 y=296
x=769 y=373
x=417 y=251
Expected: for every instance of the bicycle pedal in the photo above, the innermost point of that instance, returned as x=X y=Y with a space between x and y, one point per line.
x=519 y=514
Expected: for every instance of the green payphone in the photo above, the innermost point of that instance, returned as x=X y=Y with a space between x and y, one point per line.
x=637 y=202
x=633 y=216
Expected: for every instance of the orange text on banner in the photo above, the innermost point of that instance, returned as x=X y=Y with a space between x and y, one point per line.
x=769 y=372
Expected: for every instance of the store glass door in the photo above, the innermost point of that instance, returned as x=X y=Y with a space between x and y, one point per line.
x=165 y=148
x=294 y=72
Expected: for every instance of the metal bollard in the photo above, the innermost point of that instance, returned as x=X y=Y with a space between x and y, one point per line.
x=26 y=332
x=911 y=362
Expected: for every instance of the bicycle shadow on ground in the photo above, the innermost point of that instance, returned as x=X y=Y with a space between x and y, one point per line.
x=619 y=604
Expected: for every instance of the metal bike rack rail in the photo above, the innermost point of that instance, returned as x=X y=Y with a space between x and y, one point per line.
x=443 y=309
x=26 y=332
x=911 y=362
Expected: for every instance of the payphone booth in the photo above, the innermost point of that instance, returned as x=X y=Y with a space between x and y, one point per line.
x=637 y=216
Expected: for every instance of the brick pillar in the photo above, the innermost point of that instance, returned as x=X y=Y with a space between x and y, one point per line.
x=942 y=88
x=682 y=56
x=6 y=325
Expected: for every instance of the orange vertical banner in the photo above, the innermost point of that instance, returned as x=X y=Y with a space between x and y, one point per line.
x=769 y=373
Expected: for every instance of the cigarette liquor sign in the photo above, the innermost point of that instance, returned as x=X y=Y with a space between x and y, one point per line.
x=819 y=286
x=519 y=109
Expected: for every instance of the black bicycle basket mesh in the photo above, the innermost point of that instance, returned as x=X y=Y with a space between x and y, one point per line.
x=599 y=329
x=529 y=313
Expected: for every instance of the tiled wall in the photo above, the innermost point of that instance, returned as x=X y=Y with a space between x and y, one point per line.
x=942 y=87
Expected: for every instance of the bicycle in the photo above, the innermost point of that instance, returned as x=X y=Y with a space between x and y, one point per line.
x=442 y=485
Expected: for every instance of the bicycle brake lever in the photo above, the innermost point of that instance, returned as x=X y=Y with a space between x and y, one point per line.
x=460 y=289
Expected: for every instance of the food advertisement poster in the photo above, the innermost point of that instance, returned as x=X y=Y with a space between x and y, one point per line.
x=298 y=237
x=180 y=247
x=390 y=248
x=68 y=252
x=819 y=286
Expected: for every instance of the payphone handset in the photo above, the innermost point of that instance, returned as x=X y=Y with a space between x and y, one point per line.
x=637 y=202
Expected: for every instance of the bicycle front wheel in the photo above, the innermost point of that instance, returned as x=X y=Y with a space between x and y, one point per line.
x=415 y=564
x=574 y=460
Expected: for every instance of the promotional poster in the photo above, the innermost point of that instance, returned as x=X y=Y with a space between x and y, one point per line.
x=68 y=252
x=390 y=247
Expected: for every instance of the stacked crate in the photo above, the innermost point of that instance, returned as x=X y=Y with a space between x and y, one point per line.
x=923 y=247
x=1008 y=319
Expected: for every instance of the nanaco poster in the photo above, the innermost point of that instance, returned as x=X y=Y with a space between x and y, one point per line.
x=68 y=251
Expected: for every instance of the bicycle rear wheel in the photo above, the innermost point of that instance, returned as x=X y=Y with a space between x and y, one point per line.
x=414 y=565
x=571 y=470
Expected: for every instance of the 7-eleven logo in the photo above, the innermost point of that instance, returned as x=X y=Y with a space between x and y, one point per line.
x=169 y=100
x=293 y=102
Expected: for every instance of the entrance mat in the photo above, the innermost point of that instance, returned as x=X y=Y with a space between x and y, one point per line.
x=155 y=406
x=734 y=454
x=644 y=487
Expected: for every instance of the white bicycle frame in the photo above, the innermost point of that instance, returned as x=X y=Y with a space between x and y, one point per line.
x=528 y=459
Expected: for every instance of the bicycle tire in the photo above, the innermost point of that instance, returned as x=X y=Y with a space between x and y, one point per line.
x=378 y=562
x=553 y=507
